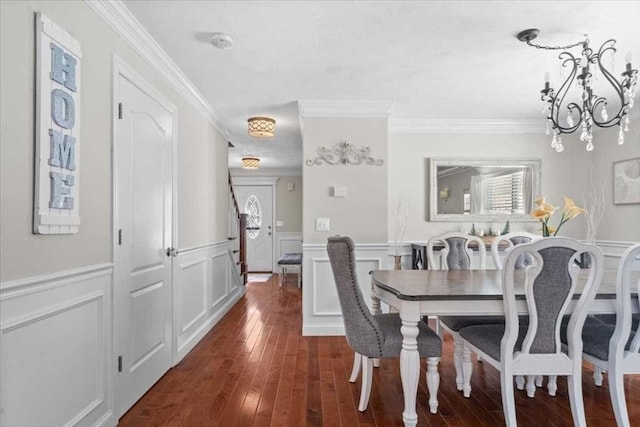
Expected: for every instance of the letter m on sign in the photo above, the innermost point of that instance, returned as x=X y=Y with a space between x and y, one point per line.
x=63 y=151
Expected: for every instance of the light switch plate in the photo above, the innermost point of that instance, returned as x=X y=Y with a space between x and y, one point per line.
x=322 y=224
x=340 y=191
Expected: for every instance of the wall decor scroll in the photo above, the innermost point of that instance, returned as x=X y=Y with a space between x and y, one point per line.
x=344 y=153
x=57 y=154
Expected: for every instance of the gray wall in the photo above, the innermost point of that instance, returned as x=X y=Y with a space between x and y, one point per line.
x=202 y=152
x=567 y=173
x=363 y=213
x=289 y=204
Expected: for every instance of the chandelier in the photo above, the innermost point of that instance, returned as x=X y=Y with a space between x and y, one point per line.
x=262 y=127
x=590 y=109
x=250 y=162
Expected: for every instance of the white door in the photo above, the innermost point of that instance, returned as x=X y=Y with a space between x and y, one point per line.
x=257 y=202
x=143 y=169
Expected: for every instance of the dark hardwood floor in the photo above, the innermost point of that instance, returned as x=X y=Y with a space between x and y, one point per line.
x=256 y=369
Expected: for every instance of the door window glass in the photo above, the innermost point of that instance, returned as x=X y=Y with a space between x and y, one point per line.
x=254 y=216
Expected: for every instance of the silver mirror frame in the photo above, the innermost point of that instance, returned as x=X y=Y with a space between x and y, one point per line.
x=432 y=185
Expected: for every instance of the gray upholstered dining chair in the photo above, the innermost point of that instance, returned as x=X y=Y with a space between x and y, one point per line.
x=549 y=285
x=455 y=254
x=376 y=336
x=616 y=348
x=500 y=247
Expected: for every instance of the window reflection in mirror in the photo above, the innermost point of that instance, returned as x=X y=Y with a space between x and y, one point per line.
x=483 y=189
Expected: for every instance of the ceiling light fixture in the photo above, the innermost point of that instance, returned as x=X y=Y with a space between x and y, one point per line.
x=262 y=127
x=589 y=109
x=250 y=162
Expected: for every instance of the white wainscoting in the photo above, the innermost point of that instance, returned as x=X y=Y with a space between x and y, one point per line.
x=613 y=250
x=288 y=242
x=320 y=306
x=205 y=287
x=56 y=348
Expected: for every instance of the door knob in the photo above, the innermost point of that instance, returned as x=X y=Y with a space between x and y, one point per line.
x=172 y=252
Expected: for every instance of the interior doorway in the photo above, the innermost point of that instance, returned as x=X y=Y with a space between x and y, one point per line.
x=143 y=194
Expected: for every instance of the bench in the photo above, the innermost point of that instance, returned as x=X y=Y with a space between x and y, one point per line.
x=290 y=261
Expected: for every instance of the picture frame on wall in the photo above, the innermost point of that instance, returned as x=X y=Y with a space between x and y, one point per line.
x=626 y=181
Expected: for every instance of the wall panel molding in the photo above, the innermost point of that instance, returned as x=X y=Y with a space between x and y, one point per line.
x=57 y=329
x=321 y=314
x=205 y=288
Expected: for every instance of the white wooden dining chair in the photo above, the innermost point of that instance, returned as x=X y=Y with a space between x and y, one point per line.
x=616 y=348
x=375 y=336
x=500 y=247
x=455 y=254
x=550 y=283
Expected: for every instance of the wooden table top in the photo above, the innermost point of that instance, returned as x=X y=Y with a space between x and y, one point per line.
x=423 y=285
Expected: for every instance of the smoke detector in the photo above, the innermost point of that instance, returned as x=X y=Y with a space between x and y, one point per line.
x=221 y=40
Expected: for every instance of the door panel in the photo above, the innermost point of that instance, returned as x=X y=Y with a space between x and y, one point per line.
x=143 y=149
x=257 y=202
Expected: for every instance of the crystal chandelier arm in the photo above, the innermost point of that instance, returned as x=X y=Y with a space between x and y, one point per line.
x=602 y=102
x=557 y=102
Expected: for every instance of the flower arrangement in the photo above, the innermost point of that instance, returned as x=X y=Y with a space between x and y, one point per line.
x=544 y=211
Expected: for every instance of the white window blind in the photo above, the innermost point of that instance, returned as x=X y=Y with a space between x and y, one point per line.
x=505 y=193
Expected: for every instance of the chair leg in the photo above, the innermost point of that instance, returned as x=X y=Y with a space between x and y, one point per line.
x=458 y=344
x=552 y=385
x=575 y=398
x=508 y=399
x=531 y=385
x=467 y=371
x=357 y=363
x=376 y=363
x=520 y=382
x=538 y=380
x=280 y=278
x=616 y=390
x=367 y=377
x=597 y=376
x=433 y=382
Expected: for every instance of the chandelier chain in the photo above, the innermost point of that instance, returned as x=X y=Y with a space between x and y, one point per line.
x=537 y=46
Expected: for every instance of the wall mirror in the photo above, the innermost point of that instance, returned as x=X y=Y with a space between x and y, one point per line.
x=482 y=189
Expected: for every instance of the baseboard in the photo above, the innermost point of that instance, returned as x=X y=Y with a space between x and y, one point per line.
x=107 y=420
x=322 y=330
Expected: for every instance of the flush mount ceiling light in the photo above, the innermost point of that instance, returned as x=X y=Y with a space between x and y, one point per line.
x=250 y=162
x=221 y=40
x=262 y=127
x=586 y=108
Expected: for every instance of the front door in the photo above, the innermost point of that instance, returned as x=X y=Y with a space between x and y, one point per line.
x=257 y=202
x=143 y=169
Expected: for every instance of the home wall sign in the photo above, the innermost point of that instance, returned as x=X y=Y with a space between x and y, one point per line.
x=57 y=154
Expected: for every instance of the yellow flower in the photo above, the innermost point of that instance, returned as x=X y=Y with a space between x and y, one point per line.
x=540 y=214
x=551 y=229
x=570 y=210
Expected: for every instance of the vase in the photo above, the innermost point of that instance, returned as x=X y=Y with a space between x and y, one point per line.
x=397 y=262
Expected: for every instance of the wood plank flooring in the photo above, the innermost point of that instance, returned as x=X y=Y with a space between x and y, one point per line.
x=256 y=369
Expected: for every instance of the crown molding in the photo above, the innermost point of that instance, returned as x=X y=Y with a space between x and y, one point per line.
x=265 y=172
x=127 y=26
x=461 y=126
x=355 y=109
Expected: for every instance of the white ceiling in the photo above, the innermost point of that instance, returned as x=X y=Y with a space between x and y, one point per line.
x=449 y=60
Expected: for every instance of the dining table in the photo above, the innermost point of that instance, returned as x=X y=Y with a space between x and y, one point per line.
x=416 y=293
